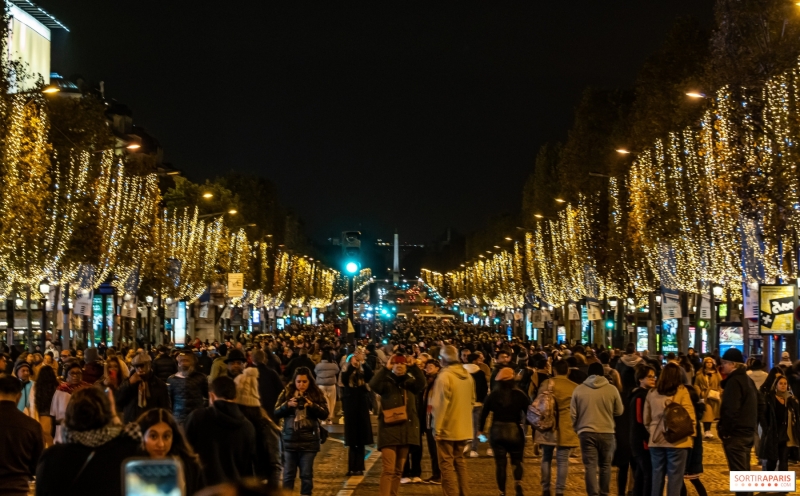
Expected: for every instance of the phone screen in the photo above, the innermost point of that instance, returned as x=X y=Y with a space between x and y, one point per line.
x=147 y=477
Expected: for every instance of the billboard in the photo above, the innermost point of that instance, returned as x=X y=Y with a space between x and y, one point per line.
x=29 y=41
x=776 y=308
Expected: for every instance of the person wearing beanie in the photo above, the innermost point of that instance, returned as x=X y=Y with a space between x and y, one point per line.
x=188 y=388
x=267 y=464
x=786 y=361
x=508 y=405
x=23 y=372
x=142 y=391
x=594 y=404
x=738 y=412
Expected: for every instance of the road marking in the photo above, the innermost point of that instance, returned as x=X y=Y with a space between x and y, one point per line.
x=352 y=482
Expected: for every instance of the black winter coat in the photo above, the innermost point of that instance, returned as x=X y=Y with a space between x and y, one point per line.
x=268 y=464
x=128 y=397
x=694 y=462
x=356 y=404
x=772 y=434
x=204 y=363
x=297 y=362
x=739 y=408
x=304 y=437
x=639 y=435
x=225 y=441
x=164 y=366
x=269 y=388
x=187 y=394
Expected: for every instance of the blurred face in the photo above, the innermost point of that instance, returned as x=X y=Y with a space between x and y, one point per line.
x=782 y=385
x=708 y=364
x=184 y=363
x=142 y=368
x=113 y=366
x=24 y=374
x=235 y=368
x=158 y=440
x=503 y=358
x=649 y=381
x=64 y=355
x=399 y=368
x=480 y=358
x=74 y=376
x=431 y=369
x=301 y=383
x=728 y=367
x=464 y=355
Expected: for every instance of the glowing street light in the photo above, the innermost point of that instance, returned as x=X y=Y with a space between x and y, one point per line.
x=50 y=88
x=351 y=267
x=561 y=200
x=623 y=151
x=694 y=94
x=208 y=195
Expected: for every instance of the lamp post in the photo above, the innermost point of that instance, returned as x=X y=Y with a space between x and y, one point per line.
x=44 y=289
x=149 y=300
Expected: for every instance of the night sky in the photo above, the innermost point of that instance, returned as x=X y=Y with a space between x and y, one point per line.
x=366 y=115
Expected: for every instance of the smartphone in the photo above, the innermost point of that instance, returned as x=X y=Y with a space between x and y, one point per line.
x=148 y=477
x=113 y=375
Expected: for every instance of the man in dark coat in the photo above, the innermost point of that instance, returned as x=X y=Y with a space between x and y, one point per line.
x=355 y=405
x=164 y=365
x=142 y=391
x=269 y=383
x=188 y=389
x=300 y=360
x=626 y=368
x=204 y=363
x=738 y=412
x=222 y=436
x=21 y=441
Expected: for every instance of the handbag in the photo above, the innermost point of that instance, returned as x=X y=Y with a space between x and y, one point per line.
x=713 y=394
x=396 y=415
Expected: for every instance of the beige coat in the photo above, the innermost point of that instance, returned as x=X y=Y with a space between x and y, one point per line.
x=563 y=434
x=703 y=383
x=451 y=401
x=654 y=413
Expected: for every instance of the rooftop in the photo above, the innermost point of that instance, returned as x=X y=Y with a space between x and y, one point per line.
x=39 y=14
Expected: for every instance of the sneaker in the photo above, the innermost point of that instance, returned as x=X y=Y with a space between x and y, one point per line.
x=708 y=435
x=489 y=452
x=466 y=448
x=473 y=454
x=405 y=480
x=432 y=480
x=416 y=480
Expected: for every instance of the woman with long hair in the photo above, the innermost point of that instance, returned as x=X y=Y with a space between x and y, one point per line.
x=708 y=388
x=327 y=371
x=356 y=374
x=301 y=405
x=42 y=395
x=668 y=458
x=769 y=383
x=508 y=405
x=639 y=435
x=162 y=437
x=779 y=428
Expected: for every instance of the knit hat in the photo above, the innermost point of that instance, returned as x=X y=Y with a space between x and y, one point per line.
x=733 y=355
x=785 y=356
x=504 y=374
x=91 y=355
x=247 y=388
x=20 y=364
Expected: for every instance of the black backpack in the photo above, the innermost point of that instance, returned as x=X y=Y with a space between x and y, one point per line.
x=677 y=422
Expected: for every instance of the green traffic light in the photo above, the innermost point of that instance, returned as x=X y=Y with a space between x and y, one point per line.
x=351 y=267
x=609 y=324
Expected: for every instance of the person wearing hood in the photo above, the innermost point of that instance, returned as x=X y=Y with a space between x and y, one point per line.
x=707 y=385
x=594 y=404
x=218 y=367
x=559 y=440
x=756 y=373
x=779 y=427
x=786 y=361
x=626 y=367
x=142 y=391
x=23 y=372
x=738 y=412
x=267 y=464
x=668 y=458
x=398 y=385
x=222 y=436
x=451 y=403
x=508 y=405
x=481 y=390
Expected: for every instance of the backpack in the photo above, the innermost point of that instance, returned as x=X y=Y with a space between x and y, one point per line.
x=677 y=422
x=542 y=411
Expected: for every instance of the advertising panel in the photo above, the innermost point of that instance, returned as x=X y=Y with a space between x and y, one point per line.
x=776 y=308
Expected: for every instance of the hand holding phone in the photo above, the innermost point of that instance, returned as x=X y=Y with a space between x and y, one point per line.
x=148 y=477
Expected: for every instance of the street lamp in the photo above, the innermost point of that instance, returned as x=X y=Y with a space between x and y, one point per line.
x=717 y=290
x=623 y=151
x=50 y=88
x=44 y=289
x=561 y=200
x=695 y=94
x=132 y=147
x=229 y=212
x=508 y=238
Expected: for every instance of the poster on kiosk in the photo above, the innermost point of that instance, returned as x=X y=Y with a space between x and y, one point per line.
x=776 y=308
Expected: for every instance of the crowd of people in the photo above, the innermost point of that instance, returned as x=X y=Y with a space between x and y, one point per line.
x=253 y=411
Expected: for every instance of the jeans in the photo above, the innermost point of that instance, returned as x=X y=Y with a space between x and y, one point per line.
x=476 y=418
x=304 y=460
x=393 y=458
x=413 y=467
x=454 y=468
x=435 y=472
x=737 y=451
x=330 y=398
x=669 y=461
x=643 y=475
x=597 y=450
x=562 y=464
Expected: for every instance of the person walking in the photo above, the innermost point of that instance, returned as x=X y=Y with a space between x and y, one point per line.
x=355 y=405
x=21 y=442
x=451 y=404
x=188 y=389
x=398 y=385
x=481 y=390
x=707 y=385
x=694 y=460
x=562 y=437
x=42 y=400
x=738 y=412
x=327 y=372
x=142 y=391
x=668 y=458
x=302 y=406
x=95 y=448
x=162 y=438
x=779 y=426
x=222 y=436
x=269 y=383
x=508 y=405
x=639 y=435
x=594 y=404
x=432 y=368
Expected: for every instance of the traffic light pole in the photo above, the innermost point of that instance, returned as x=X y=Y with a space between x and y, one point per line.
x=350 y=304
